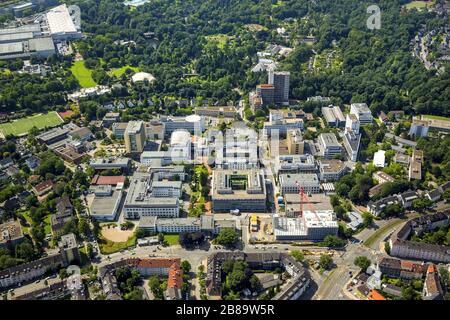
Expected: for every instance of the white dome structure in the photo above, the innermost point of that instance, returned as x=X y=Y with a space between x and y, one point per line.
x=180 y=146
x=141 y=76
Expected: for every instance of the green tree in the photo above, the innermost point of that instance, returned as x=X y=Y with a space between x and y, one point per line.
x=325 y=261
x=227 y=237
x=362 y=262
x=297 y=255
x=185 y=266
x=332 y=242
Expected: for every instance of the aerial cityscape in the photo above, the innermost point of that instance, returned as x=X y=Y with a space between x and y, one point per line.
x=224 y=150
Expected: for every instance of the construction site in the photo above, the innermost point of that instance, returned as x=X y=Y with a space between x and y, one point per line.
x=307 y=219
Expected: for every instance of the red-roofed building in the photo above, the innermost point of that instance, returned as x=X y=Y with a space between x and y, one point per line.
x=158 y=266
x=43 y=188
x=107 y=180
x=375 y=295
x=432 y=289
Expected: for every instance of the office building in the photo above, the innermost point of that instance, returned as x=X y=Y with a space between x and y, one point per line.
x=110 y=163
x=329 y=146
x=110 y=118
x=332 y=170
x=106 y=203
x=217 y=112
x=161 y=158
x=134 y=137
x=280 y=81
x=295 y=164
x=118 y=129
x=362 y=113
x=140 y=201
x=419 y=128
x=312 y=226
x=351 y=144
x=333 y=116
x=238 y=150
x=291 y=183
x=155 y=130
x=266 y=92
x=194 y=124
x=238 y=190
x=294 y=141
x=352 y=123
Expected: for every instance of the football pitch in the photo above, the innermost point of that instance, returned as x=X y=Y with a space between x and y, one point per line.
x=23 y=125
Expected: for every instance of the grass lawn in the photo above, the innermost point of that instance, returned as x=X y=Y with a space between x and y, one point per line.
x=83 y=74
x=172 y=239
x=218 y=40
x=118 y=72
x=429 y=116
x=419 y=4
x=109 y=247
x=47 y=223
x=23 y=125
x=47 y=226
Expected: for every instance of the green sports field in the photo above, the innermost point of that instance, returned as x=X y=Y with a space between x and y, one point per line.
x=83 y=74
x=23 y=125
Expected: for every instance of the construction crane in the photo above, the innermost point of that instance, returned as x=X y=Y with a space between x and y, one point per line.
x=301 y=192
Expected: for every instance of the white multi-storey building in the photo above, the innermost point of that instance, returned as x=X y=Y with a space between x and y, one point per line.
x=289 y=183
x=362 y=112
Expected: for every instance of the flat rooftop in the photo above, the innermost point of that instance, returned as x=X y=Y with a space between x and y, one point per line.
x=104 y=205
x=138 y=193
x=329 y=139
x=60 y=21
x=233 y=184
x=331 y=166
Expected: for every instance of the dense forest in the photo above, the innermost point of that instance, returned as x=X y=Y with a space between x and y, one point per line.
x=173 y=38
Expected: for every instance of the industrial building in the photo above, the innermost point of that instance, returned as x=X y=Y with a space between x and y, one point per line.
x=313 y=226
x=39 y=38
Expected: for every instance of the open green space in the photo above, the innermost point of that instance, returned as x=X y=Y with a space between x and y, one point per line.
x=109 y=247
x=118 y=72
x=47 y=223
x=83 y=74
x=218 y=40
x=429 y=116
x=172 y=239
x=419 y=4
x=381 y=232
x=23 y=125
